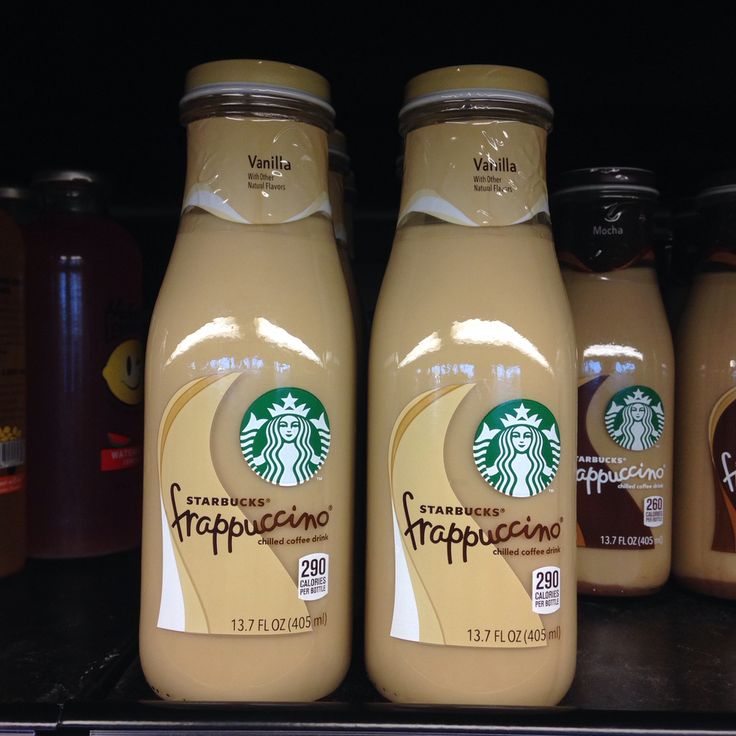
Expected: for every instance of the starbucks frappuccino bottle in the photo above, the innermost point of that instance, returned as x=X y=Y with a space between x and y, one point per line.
x=705 y=500
x=471 y=511
x=247 y=549
x=603 y=232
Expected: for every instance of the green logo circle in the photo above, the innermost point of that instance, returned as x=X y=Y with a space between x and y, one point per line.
x=285 y=436
x=517 y=448
x=635 y=418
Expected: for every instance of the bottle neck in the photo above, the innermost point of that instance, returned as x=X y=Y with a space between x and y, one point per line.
x=337 y=203
x=604 y=234
x=256 y=170
x=476 y=173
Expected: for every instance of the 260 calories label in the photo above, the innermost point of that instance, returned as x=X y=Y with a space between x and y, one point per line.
x=622 y=480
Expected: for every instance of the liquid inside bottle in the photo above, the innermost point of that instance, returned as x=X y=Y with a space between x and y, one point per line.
x=247 y=554
x=603 y=221
x=705 y=501
x=470 y=595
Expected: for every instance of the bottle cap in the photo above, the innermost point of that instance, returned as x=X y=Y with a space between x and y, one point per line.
x=717 y=186
x=255 y=76
x=477 y=81
x=608 y=180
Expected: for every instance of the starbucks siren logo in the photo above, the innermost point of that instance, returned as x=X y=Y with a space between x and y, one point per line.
x=635 y=418
x=285 y=436
x=517 y=448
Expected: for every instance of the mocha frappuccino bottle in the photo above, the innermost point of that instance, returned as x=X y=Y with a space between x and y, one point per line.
x=603 y=232
x=247 y=534
x=471 y=511
x=705 y=501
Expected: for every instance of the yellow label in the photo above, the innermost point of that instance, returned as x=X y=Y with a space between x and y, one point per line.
x=450 y=588
x=476 y=173
x=221 y=574
x=257 y=171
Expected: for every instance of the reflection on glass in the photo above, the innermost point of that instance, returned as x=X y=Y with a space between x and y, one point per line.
x=429 y=344
x=612 y=351
x=624 y=367
x=71 y=318
x=280 y=337
x=453 y=369
x=222 y=365
x=224 y=328
x=497 y=333
x=507 y=372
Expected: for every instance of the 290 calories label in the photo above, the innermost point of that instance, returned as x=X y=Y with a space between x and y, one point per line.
x=460 y=574
x=241 y=534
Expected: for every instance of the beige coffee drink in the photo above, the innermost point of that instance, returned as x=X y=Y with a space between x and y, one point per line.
x=471 y=511
x=705 y=500
x=247 y=535
x=603 y=232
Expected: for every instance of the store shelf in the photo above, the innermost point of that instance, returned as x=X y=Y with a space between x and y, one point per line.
x=68 y=660
x=100 y=90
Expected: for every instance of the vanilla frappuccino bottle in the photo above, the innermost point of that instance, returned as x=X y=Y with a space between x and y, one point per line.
x=705 y=500
x=471 y=511
x=603 y=232
x=247 y=548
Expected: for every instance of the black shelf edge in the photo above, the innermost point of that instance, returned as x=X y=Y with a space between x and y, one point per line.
x=28 y=717
x=338 y=718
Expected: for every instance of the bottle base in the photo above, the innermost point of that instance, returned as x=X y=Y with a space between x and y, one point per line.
x=616 y=591
x=715 y=588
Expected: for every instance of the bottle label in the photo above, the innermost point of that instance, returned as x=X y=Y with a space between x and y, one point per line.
x=123 y=375
x=620 y=487
x=476 y=174
x=453 y=584
x=635 y=418
x=123 y=372
x=517 y=448
x=279 y=439
x=722 y=441
x=243 y=549
x=257 y=171
x=604 y=236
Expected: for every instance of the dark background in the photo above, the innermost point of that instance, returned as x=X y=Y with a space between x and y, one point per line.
x=630 y=86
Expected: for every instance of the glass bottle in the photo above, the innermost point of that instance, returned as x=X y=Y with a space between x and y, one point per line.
x=603 y=220
x=85 y=372
x=470 y=594
x=705 y=495
x=247 y=534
